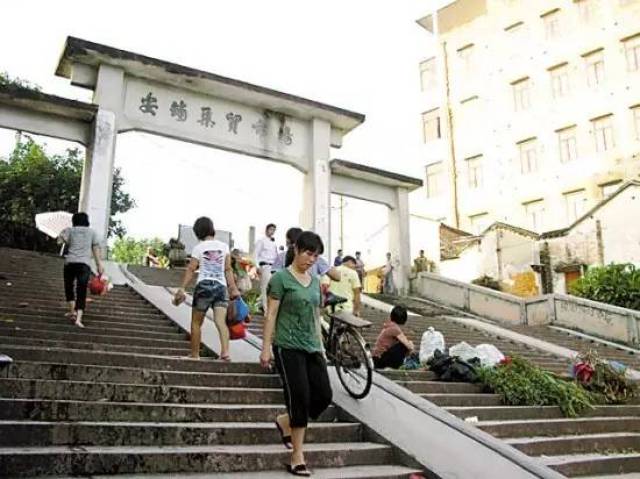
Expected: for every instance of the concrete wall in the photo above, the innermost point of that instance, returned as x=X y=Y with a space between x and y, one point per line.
x=591 y=317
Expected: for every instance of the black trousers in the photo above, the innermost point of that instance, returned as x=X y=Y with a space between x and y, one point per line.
x=307 y=390
x=392 y=357
x=78 y=273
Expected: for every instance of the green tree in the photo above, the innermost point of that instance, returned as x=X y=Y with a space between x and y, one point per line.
x=617 y=284
x=131 y=251
x=31 y=182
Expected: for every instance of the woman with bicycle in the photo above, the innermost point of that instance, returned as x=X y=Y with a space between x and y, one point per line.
x=291 y=336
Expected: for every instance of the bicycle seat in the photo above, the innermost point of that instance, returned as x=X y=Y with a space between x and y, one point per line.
x=334 y=300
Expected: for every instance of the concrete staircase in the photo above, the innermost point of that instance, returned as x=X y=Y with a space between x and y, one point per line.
x=603 y=443
x=117 y=398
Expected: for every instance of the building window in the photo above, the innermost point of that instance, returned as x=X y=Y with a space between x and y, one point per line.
x=521 y=94
x=552 y=25
x=474 y=171
x=609 y=188
x=594 y=64
x=515 y=31
x=576 y=203
x=635 y=111
x=568 y=144
x=534 y=212
x=632 y=53
x=428 y=74
x=466 y=57
x=603 y=133
x=559 y=80
x=586 y=10
x=479 y=222
x=528 y=156
x=431 y=125
x=434 y=180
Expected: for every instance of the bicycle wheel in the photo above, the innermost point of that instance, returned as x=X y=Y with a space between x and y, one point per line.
x=353 y=363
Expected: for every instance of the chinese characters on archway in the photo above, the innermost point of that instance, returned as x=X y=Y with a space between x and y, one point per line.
x=179 y=111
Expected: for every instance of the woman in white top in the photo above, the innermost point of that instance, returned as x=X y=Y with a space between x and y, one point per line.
x=211 y=257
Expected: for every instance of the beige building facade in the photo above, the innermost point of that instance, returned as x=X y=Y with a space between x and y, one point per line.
x=531 y=110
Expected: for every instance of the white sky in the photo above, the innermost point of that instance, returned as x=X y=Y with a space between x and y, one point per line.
x=356 y=54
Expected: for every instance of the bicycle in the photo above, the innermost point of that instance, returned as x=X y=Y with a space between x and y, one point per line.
x=346 y=349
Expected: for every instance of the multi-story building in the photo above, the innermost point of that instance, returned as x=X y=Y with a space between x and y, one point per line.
x=531 y=109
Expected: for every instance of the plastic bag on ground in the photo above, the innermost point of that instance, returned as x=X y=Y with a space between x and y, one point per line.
x=488 y=354
x=431 y=341
x=463 y=351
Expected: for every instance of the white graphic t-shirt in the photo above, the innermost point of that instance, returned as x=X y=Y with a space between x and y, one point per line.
x=211 y=255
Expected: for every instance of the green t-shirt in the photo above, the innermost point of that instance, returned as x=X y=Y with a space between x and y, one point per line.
x=296 y=321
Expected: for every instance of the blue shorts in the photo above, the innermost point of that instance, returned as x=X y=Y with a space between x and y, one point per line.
x=209 y=294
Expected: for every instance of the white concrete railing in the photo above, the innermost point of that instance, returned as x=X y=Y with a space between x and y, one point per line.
x=604 y=320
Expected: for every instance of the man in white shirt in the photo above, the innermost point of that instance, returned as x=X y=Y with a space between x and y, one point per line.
x=266 y=253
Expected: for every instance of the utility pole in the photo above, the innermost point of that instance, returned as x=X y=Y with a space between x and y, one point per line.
x=342 y=223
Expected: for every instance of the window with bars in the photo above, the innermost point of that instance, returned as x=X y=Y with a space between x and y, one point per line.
x=632 y=53
x=474 y=171
x=431 y=125
x=609 y=188
x=552 y=24
x=576 y=204
x=635 y=112
x=586 y=10
x=466 y=55
x=559 y=80
x=567 y=143
x=428 y=74
x=528 y=150
x=534 y=213
x=594 y=65
x=435 y=179
x=603 y=133
x=521 y=94
x=479 y=222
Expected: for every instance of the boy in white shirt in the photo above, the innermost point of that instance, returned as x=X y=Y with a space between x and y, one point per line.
x=211 y=257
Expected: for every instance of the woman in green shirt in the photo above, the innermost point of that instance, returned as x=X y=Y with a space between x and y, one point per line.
x=291 y=336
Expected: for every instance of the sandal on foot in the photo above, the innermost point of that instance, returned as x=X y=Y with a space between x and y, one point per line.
x=78 y=323
x=286 y=440
x=226 y=358
x=299 y=470
x=72 y=316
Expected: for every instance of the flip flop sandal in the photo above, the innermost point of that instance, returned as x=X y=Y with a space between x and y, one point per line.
x=286 y=440
x=71 y=316
x=226 y=358
x=299 y=470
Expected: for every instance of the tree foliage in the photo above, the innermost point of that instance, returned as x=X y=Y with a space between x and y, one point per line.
x=6 y=80
x=617 y=284
x=131 y=251
x=32 y=181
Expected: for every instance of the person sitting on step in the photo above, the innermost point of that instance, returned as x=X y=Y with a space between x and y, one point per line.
x=392 y=346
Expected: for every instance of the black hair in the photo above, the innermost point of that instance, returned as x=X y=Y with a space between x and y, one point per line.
x=398 y=315
x=292 y=236
x=357 y=253
x=339 y=251
x=203 y=227
x=348 y=258
x=309 y=241
x=421 y=251
x=270 y=225
x=80 y=219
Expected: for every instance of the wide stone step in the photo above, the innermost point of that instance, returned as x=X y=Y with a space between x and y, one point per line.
x=577 y=444
x=67 y=327
x=497 y=413
x=149 y=315
x=463 y=399
x=113 y=358
x=79 y=334
x=90 y=391
x=558 y=427
x=596 y=463
x=440 y=387
x=408 y=375
x=34 y=433
x=91 y=460
x=157 y=325
x=111 y=299
x=91 y=346
x=57 y=410
x=116 y=308
x=122 y=375
x=345 y=472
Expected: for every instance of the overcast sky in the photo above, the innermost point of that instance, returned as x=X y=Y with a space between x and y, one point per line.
x=355 y=54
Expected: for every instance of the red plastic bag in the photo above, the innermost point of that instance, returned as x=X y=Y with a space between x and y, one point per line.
x=237 y=331
x=97 y=285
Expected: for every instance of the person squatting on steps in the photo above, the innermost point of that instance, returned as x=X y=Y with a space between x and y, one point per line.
x=215 y=277
x=292 y=328
x=81 y=242
x=392 y=345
